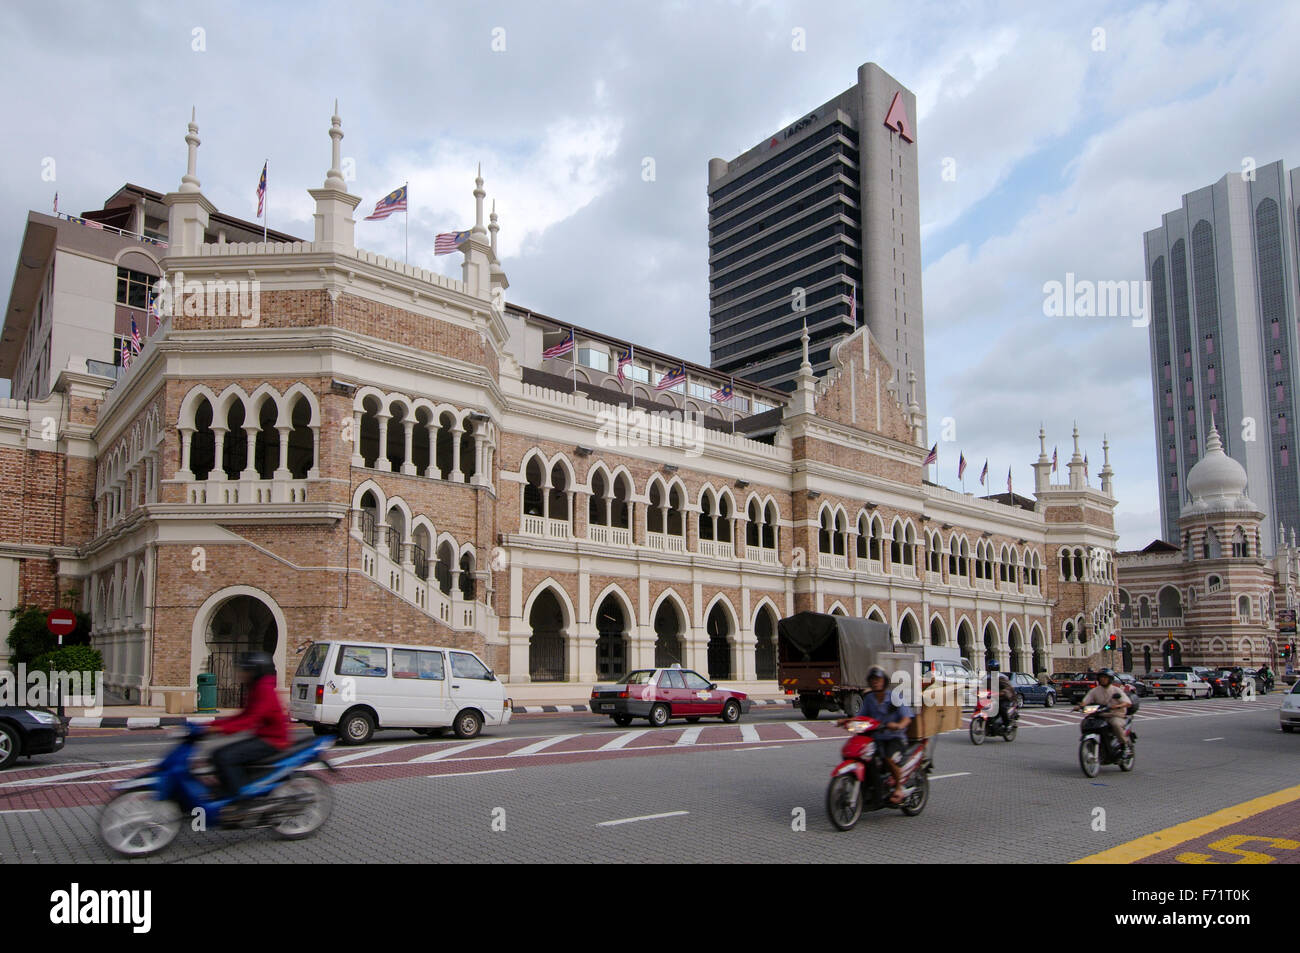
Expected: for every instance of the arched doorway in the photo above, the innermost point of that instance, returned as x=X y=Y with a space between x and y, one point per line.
x=1146 y=659
x=240 y=624
x=966 y=641
x=1126 y=656
x=990 y=645
x=718 y=626
x=546 y=646
x=1019 y=657
x=937 y=636
x=765 y=644
x=1039 y=650
x=907 y=632
x=668 y=635
x=611 y=640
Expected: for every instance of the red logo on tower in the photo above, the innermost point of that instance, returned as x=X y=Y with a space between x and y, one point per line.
x=896 y=118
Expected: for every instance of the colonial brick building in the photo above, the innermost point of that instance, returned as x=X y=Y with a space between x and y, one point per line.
x=318 y=442
x=1212 y=601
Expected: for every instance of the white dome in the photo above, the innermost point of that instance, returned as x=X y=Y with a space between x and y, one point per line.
x=1217 y=482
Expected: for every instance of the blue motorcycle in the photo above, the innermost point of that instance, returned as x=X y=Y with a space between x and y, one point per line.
x=147 y=813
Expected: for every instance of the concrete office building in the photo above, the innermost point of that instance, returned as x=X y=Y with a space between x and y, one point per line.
x=1223 y=272
x=830 y=205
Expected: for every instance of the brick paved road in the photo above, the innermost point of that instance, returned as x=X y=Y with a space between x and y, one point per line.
x=725 y=793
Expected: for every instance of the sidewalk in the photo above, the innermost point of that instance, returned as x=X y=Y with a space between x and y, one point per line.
x=527 y=699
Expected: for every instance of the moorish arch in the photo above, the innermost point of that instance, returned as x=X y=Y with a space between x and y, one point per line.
x=669 y=622
x=232 y=621
x=938 y=634
x=765 y=620
x=613 y=621
x=720 y=625
x=550 y=618
x=908 y=631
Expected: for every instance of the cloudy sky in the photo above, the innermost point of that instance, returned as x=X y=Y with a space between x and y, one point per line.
x=1071 y=127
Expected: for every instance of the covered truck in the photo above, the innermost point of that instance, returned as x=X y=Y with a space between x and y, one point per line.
x=824 y=659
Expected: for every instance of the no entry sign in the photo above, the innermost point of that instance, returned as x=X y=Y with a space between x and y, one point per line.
x=61 y=622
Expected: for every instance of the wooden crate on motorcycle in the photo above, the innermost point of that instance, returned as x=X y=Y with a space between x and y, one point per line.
x=931 y=720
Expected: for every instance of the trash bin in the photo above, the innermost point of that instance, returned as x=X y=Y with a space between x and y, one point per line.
x=207 y=689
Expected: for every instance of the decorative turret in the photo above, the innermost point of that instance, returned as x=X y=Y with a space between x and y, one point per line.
x=1078 y=480
x=188 y=211
x=335 y=227
x=1217 y=483
x=498 y=274
x=804 y=399
x=914 y=415
x=1107 y=474
x=476 y=270
x=1042 y=466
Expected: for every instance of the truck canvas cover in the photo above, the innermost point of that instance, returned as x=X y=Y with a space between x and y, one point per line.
x=853 y=643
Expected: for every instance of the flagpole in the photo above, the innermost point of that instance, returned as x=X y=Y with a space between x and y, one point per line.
x=406 y=255
x=266 y=196
x=573 y=335
x=731 y=404
x=631 y=371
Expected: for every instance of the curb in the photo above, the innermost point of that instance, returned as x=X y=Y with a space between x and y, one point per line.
x=138 y=723
x=553 y=709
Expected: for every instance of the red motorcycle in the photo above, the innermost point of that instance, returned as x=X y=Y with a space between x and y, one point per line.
x=986 y=721
x=862 y=782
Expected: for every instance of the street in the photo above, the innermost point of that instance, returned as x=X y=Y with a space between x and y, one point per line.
x=574 y=788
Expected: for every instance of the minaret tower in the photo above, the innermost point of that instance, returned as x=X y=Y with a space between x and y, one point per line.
x=188 y=211
x=335 y=227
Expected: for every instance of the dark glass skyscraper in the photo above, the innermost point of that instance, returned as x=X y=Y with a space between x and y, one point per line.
x=822 y=211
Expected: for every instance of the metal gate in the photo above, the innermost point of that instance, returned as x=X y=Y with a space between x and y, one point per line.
x=765 y=659
x=221 y=663
x=546 y=657
x=611 y=656
x=719 y=658
x=668 y=651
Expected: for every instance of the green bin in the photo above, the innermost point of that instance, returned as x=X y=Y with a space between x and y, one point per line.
x=207 y=689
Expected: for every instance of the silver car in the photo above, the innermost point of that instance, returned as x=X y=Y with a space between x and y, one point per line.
x=1181 y=685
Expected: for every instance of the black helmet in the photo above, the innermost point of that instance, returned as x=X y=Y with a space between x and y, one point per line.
x=1106 y=673
x=994 y=666
x=877 y=672
x=258 y=663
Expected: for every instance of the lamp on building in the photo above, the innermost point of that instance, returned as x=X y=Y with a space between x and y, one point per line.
x=670 y=468
x=342 y=387
x=813 y=494
x=742 y=484
x=583 y=451
x=478 y=416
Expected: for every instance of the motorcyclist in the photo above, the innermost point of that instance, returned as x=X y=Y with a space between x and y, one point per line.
x=1235 y=681
x=1266 y=674
x=1112 y=697
x=1007 y=700
x=893 y=718
x=263 y=715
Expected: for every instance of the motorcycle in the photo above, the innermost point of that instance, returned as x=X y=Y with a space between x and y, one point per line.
x=1234 y=687
x=862 y=782
x=984 y=721
x=147 y=813
x=1099 y=745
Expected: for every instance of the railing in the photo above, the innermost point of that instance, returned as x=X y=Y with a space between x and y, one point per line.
x=598 y=534
x=759 y=555
x=541 y=526
x=246 y=491
x=620 y=536
x=394 y=546
x=832 y=561
x=1154 y=622
x=420 y=560
x=100 y=226
x=663 y=542
x=103 y=369
x=716 y=549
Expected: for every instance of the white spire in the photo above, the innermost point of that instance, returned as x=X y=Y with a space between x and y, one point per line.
x=190 y=180
x=493 y=227
x=478 y=201
x=334 y=177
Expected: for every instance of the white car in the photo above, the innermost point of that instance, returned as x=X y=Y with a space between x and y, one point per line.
x=1289 y=715
x=356 y=688
x=1181 y=685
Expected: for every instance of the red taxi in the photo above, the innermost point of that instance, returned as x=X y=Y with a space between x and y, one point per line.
x=658 y=694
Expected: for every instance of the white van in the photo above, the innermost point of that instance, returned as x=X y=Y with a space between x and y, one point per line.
x=356 y=688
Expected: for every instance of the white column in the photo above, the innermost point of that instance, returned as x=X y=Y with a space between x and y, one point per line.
x=250 y=469
x=187 y=435
x=282 y=472
x=357 y=459
x=381 y=462
x=314 y=472
x=408 y=465
x=456 y=475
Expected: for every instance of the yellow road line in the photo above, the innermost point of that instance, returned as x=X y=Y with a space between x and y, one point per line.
x=1171 y=837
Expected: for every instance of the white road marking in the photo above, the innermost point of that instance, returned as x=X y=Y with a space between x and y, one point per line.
x=803 y=731
x=759 y=747
x=366 y=753
x=955 y=774
x=646 y=817
x=537 y=746
x=1212 y=739
x=449 y=752
x=465 y=774
x=623 y=740
x=749 y=733
x=690 y=736
x=25 y=810
x=55 y=778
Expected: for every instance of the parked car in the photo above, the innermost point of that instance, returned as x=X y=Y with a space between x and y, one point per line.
x=1078 y=686
x=953 y=676
x=1134 y=685
x=658 y=694
x=1218 y=680
x=29 y=731
x=1181 y=685
x=1030 y=691
x=356 y=688
x=1289 y=715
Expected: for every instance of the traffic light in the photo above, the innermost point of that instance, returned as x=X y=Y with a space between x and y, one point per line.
x=1110 y=644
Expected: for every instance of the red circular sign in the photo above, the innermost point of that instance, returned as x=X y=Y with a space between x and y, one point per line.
x=61 y=621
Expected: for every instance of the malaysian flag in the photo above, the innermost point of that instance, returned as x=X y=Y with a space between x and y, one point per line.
x=624 y=360
x=1053 y=459
x=448 y=242
x=672 y=378
x=961 y=465
x=564 y=347
x=56 y=203
x=932 y=456
x=853 y=305
x=261 y=190
x=136 y=343
x=1085 y=466
x=155 y=308
x=724 y=394
x=394 y=201
x=126 y=354
x=984 y=473
x=1009 y=493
